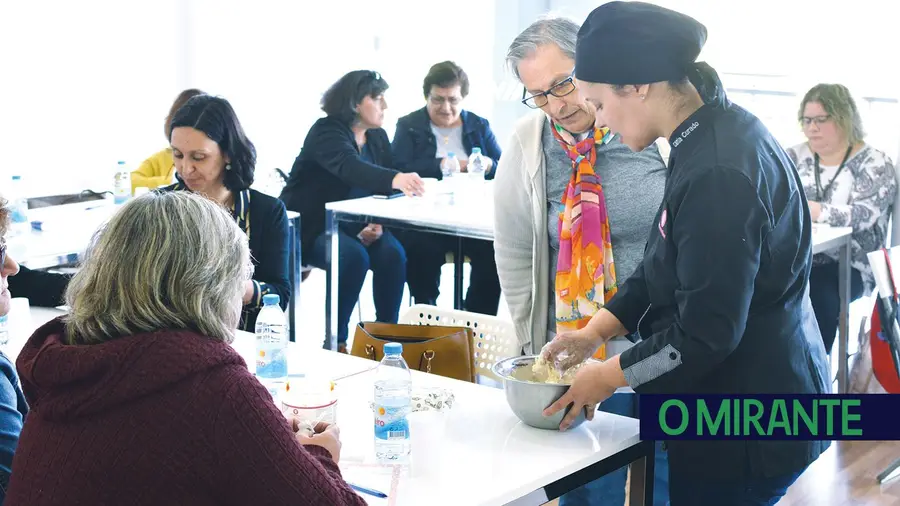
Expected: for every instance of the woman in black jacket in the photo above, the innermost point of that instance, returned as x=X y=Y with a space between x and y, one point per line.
x=348 y=155
x=214 y=157
x=721 y=299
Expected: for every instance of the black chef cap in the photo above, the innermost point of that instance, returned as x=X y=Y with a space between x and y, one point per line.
x=637 y=43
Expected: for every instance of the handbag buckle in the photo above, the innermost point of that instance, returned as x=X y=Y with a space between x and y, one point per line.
x=428 y=355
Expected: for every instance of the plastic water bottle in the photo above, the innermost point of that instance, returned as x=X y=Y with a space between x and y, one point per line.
x=449 y=166
x=122 y=184
x=4 y=330
x=19 y=204
x=477 y=165
x=393 y=390
x=271 y=344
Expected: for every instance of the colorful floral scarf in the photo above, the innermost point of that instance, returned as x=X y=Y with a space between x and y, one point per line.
x=585 y=273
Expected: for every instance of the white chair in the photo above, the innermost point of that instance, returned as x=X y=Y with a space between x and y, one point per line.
x=495 y=338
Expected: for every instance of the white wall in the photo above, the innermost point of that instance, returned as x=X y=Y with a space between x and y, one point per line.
x=87 y=83
x=789 y=46
x=82 y=85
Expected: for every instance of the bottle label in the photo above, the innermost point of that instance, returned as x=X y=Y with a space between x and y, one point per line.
x=271 y=361
x=391 y=423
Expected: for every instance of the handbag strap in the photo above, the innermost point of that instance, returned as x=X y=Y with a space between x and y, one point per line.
x=427 y=357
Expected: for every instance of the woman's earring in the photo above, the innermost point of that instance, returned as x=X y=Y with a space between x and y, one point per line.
x=227 y=166
x=643 y=97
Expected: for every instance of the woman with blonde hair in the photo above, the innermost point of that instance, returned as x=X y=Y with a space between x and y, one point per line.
x=136 y=395
x=848 y=183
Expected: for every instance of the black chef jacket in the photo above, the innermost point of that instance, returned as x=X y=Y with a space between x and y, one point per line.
x=721 y=298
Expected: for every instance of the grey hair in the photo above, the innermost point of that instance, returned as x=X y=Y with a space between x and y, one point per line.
x=551 y=30
x=167 y=260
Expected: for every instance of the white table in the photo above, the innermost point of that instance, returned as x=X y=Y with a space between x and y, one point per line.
x=483 y=456
x=471 y=216
x=826 y=238
x=68 y=229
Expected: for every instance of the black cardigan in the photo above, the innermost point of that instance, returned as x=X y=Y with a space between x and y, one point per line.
x=43 y=289
x=266 y=225
x=329 y=167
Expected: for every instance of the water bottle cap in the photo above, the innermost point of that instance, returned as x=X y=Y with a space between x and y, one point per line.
x=121 y=162
x=476 y=151
x=271 y=299
x=17 y=178
x=450 y=154
x=393 y=349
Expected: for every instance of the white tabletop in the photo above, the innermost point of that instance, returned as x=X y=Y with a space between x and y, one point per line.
x=482 y=455
x=471 y=214
x=66 y=232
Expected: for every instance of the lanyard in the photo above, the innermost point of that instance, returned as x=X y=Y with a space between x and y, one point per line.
x=822 y=193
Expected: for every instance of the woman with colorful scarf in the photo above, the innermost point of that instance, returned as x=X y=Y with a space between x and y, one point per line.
x=573 y=207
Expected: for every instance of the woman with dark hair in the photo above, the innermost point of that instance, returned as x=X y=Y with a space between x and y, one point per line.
x=848 y=183
x=213 y=157
x=159 y=169
x=347 y=155
x=721 y=299
x=422 y=141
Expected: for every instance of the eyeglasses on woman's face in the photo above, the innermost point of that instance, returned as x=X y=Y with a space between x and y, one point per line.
x=559 y=90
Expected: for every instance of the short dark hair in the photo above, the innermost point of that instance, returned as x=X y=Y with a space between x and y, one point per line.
x=215 y=117
x=342 y=98
x=445 y=75
x=180 y=100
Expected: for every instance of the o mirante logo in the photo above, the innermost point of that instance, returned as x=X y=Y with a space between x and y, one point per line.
x=794 y=416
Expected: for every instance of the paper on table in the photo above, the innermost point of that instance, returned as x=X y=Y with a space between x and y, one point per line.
x=375 y=477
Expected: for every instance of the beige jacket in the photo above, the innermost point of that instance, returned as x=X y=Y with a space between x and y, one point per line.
x=520 y=232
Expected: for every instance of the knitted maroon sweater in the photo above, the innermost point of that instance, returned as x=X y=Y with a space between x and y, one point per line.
x=165 y=418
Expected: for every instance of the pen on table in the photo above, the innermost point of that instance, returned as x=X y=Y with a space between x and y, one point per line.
x=369 y=491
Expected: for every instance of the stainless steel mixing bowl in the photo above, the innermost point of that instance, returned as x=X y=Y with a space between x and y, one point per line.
x=528 y=399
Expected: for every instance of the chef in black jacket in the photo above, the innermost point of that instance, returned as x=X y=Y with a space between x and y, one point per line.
x=721 y=299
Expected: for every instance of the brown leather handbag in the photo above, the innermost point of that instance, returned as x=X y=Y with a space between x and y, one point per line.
x=445 y=351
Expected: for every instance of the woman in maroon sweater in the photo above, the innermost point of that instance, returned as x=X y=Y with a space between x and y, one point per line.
x=137 y=397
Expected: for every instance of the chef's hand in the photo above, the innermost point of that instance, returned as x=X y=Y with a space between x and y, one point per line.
x=572 y=348
x=569 y=349
x=593 y=384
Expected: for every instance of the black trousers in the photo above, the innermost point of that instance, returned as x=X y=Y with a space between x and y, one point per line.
x=426 y=254
x=826 y=299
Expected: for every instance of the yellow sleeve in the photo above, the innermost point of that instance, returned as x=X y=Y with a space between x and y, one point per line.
x=154 y=172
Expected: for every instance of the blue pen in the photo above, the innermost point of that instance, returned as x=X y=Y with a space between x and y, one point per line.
x=369 y=491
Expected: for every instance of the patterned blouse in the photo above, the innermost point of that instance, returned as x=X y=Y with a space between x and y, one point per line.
x=861 y=196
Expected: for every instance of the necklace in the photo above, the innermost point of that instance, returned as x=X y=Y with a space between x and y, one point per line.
x=820 y=193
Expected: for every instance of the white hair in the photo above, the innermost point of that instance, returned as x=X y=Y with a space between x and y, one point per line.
x=561 y=31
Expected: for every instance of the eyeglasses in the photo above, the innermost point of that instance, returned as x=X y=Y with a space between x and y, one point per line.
x=558 y=90
x=818 y=120
x=436 y=100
